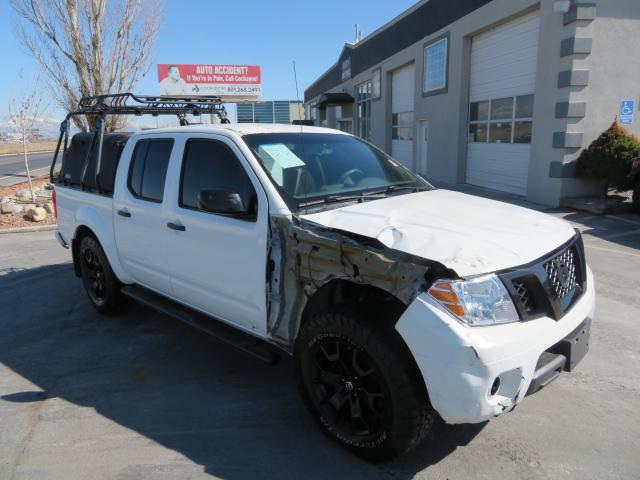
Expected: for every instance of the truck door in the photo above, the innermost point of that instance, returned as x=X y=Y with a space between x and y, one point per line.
x=140 y=216
x=218 y=260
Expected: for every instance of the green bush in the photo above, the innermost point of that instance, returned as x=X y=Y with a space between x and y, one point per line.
x=609 y=158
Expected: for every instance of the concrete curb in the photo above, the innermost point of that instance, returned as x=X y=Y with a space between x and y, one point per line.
x=597 y=206
x=36 y=228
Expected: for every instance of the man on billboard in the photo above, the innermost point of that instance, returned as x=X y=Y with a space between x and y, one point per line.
x=173 y=84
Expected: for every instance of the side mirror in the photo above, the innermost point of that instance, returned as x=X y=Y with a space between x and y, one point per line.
x=223 y=201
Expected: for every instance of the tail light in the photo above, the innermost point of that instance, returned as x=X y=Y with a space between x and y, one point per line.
x=55 y=203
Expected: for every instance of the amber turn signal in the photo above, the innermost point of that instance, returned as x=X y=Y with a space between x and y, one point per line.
x=444 y=294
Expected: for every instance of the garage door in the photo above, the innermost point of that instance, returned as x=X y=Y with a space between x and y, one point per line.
x=503 y=74
x=402 y=124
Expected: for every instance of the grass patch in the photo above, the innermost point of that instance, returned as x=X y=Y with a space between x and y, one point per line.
x=31 y=147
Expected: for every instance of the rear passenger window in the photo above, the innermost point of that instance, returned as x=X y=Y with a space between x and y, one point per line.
x=210 y=164
x=148 y=169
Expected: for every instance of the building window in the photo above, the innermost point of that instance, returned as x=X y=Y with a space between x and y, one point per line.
x=312 y=113
x=376 y=81
x=265 y=112
x=244 y=112
x=322 y=116
x=402 y=126
x=435 y=66
x=501 y=120
x=346 y=69
x=345 y=126
x=281 y=112
x=363 y=107
x=344 y=118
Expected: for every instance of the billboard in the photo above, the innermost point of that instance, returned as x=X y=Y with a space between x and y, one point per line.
x=233 y=82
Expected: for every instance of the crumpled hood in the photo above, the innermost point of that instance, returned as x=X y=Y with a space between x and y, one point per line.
x=468 y=234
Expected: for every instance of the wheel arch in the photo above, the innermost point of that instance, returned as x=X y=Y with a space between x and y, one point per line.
x=90 y=222
x=344 y=292
x=371 y=301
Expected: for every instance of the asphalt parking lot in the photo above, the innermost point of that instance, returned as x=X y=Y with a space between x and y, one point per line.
x=140 y=396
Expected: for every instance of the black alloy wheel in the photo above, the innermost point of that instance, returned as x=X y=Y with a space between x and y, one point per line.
x=101 y=284
x=349 y=391
x=361 y=384
x=94 y=276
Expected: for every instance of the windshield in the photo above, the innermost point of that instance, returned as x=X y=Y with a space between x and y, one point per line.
x=308 y=168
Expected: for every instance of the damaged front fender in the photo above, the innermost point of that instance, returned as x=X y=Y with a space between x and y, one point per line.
x=304 y=256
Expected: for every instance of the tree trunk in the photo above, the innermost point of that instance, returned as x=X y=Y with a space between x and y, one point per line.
x=26 y=165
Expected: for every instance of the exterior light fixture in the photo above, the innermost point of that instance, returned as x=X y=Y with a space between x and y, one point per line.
x=561 y=6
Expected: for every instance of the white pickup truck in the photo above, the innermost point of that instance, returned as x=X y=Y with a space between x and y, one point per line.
x=398 y=301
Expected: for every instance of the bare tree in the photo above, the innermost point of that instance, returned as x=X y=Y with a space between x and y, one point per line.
x=23 y=113
x=89 y=47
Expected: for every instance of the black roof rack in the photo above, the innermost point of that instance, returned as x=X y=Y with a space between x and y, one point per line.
x=130 y=104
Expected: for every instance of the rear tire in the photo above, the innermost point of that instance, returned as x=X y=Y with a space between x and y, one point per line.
x=100 y=283
x=361 y=385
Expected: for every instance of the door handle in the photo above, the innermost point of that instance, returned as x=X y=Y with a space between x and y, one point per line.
x=175 y=226
x=124 y=213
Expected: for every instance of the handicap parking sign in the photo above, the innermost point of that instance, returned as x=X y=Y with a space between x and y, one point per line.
x=627 y=109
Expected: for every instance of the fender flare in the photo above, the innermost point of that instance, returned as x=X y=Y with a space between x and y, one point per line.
x=87 y=216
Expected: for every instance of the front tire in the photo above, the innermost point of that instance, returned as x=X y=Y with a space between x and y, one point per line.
x=100 y=283
x=361 y=385
x=635 y=199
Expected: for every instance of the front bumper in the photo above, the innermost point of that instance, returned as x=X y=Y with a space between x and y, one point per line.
x=460 y=364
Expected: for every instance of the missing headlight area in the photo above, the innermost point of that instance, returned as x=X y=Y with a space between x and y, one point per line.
x=311 y=267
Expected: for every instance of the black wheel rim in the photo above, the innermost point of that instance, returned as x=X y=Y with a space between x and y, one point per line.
x=94 y=276
x=349 y=391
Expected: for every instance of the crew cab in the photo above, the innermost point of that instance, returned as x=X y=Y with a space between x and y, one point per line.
x=399 y=302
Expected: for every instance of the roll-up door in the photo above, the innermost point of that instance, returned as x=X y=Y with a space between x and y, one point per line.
x=502 y=84
x=402 y=121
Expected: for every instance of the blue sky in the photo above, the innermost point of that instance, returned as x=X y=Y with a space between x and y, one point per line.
x=269 y=33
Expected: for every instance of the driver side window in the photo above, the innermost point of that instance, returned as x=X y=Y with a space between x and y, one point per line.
x=210 y=165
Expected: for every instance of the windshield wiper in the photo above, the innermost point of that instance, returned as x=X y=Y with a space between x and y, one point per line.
x=397 y=188
x=342 y=198
x=373 y=195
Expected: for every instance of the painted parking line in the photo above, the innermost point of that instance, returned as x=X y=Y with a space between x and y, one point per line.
x=622 y=234
x=582 y=219
x=612 y=250
x=615 y=235
x=579 y=222
x=625 y=220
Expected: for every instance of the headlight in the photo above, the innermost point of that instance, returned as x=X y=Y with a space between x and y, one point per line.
x=479 y=301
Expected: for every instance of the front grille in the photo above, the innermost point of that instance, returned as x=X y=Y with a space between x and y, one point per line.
x=551 y=285
x=524 y=296
x=562 y=273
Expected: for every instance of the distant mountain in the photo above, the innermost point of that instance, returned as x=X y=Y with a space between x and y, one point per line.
x=48 y=127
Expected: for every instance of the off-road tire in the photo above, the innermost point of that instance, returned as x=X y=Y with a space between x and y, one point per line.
x=407 y=414
x=100 y=283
